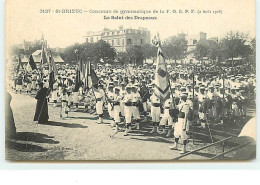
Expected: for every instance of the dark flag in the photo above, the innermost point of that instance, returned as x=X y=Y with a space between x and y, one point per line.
x=19 y=64
x=91 y=78
x=31 y=65
x=52 y=71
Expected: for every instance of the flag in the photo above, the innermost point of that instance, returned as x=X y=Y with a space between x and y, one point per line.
x=81 y=69
x=91 y=78
x=19 y=64
x=161 y=82
x=31 y=64
x=52 y=70
x=43 y=58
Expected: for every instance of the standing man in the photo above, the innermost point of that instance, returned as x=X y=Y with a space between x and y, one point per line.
x=182 y=126
x=99 y=94
x=41 y=112
x=128 y=109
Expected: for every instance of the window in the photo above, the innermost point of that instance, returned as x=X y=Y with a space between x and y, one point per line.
x=118 y=42
x=141 y=41
x=91 y=39
x=86 y=40
x=112 y=42
x=129 y=41
x=123 y=42
x=194 y=41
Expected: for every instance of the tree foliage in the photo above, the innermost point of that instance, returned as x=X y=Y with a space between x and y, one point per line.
x=94 y=52
x=175 y=47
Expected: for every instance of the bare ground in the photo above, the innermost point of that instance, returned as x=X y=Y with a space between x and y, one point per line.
x=79 y=137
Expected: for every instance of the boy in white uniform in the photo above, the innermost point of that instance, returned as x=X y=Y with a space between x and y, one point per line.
x=168 y=105
x=128 y=109
x=99 y=94
x=116 y=104
x=155 y=113
x=182 y=126
x=135 y=106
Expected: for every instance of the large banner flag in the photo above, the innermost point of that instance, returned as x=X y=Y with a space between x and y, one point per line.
x=31 y=64
x=161 y=82
x=52 y=70
x=91 y=78
x=43 y=58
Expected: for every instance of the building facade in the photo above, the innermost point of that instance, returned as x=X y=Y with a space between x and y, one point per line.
x=121 y=39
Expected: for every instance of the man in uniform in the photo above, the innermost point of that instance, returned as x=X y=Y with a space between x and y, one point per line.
x=116 y=107
x=155 y=112
x=202 y=99
x=167 y=116
x=99 y=94
x=128 y=108
x=136 y=100
x=181 y=128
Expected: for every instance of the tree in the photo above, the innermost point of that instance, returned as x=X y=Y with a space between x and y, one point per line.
x=202 y=49
x=93 y=52
x=104 y=51
x=136 y=55
x=123 y=57
x=235 y=45
x=175 y=47
x=149 y=51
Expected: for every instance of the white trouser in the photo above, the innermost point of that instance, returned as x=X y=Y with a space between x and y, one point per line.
x=99 y=107
x=136 y=113
x=155 y=113
x=116 y=113
x=128 y=114
x=166 y=117
x=110 y=111
x=178 y=129
x=75 y=97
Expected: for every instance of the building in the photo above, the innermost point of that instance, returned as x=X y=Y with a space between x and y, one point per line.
x=121 y=39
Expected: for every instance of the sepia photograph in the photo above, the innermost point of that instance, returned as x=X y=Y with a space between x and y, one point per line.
x=130 y=80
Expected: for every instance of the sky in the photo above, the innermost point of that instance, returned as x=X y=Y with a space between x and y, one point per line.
x=25 y=22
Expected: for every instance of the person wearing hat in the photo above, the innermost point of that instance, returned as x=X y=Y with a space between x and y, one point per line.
x=212 y=110
x=34 y=78
x=128 y=108
x=155 y=112
x=167 y=116
x=202 y=100
x=19 y=84
x=145 y=95
x=234 y=106
x=41 y=113
x=64 y=104
x=181 y=128
x=110 y=98
x=54 y=93
x=100 y=96
x=122 y=95
x=136 y=100
x=116 y=107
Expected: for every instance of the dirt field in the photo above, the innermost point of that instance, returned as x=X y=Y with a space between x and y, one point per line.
x=79 y=137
